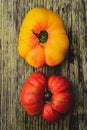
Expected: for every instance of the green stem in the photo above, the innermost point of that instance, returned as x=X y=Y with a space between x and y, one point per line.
x=43 y=36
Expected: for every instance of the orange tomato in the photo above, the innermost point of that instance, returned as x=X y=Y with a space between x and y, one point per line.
x=42 y=38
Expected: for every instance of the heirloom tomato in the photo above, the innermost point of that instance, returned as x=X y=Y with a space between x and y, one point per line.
x=42 y=38
x=34 y=100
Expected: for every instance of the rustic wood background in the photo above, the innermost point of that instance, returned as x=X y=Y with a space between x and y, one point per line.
x=14 y=70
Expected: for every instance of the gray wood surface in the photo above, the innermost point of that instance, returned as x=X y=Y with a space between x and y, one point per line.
x=14 y=70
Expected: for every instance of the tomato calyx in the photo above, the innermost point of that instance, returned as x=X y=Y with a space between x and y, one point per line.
x=47 y=95
x=43 y=36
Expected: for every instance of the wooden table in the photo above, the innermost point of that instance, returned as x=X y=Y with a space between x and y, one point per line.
x=14 y=70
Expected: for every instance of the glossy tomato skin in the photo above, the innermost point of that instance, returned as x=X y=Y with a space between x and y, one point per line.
x=61 y=88
x=58 y=84
x=49 y=114
x=54 y=49
x=31 y=96
x=62 y=102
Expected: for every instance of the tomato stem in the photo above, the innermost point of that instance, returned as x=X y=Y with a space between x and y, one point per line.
x=47 y=95
x=43 y=36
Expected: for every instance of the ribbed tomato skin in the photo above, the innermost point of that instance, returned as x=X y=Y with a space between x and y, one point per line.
x=49 y=114
x=31 y=96
x=61 y=88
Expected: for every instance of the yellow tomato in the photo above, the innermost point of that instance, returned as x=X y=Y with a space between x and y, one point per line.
x=42 y=38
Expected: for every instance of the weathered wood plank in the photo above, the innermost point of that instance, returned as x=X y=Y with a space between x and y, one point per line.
x=14 y=70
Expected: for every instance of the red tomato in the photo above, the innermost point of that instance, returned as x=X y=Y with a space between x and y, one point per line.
x=32 y=96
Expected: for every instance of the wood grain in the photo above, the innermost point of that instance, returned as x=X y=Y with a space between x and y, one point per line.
x=14 y=70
